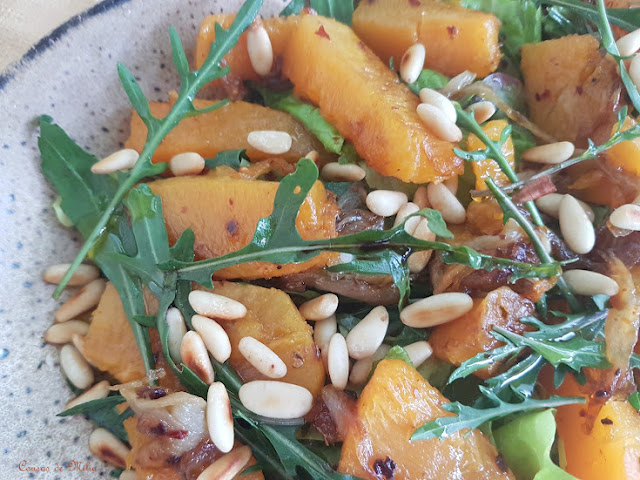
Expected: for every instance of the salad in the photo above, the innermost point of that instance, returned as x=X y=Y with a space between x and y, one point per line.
x=394 y=240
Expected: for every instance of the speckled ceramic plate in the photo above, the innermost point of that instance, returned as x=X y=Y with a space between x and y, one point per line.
x=71 y=76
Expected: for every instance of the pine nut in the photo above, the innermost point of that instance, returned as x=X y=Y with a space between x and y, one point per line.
x=436 y=309
x=338 y=361
x=187 y=163
x=82 y=275
x=362 y=368
x=274 y=399
x=227 y=466
x=124 y=159
x=259 y=49
x=446 y=203
x=385 y=202
x=63 y=332
x=98 y=391
x=626 y=216
x=482 y=111
x=213 y=305
x=406 y=210
x=634 y=70
x=336 y=172
x=106 y=446
x=262 y=358
x=323 y=330
x=84 y=299
x=270 y=141
x=549 y=154
x=313 y=155
x=195 y=356
x=418 y=352
x=575 y=226
x=629 y=44
x=177 y=330
x=457 y=83
x=420 y=198
x=128 y=475
x=452 y=184
x=412 y=63
x=219 y=417
x=550 y=204
x=417 y=261
x=75 y=367
x=432 y=97
x=365 y=338
x=214 y=337
x=437 y=122
x=585 y=282
x=78 y=341
x=320 y=307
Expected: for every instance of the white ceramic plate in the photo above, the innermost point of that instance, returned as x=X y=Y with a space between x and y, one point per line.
x=71 y=76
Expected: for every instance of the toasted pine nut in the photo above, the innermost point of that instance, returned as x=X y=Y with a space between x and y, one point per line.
x=106 y=446
x=432 y=97
x=323 y=330
x=219 y=417
x=187 y=163
x=177 y=330
x=446 y=203
x=405 y=210
x=98 y=391
x=213 y=305
x=634 y=70
x=259 y=49
x=75 y=367
x=550 y=154
x=320 y=307
x=63 y=332
x=82 y=275
x=270 y=141
x=265 y=360
x=385 y=202
x=362 y=368
x=437 y=122
x=227 y=466
x=626 y=216
x=452 y=184
x=84 y=299
x=365 y=338
x=338 y=361
x=457 y=83
x=575 y=226
x=214 y=337
x=436 y=309
x=195 y=356
x=550 y=204
x=586 y=282
x=335 y=172
x=629 y=44
x=418 y=352
x=124 y=159
x=482 y=111
x=274 y=399
x=417 y=261
x=313 y=155
x=78 y=341
x=420 y=198
x=412 y=63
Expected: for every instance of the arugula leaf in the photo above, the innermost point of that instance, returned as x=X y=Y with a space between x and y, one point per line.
x=428 y=79
x=398 y=353
x=470 y=418
x=526 y=445
x=103 y=413
x=625 y=18
x=341 y=10
x=190 y=83
x=233 y=158
x=308 y=115
x=293 y=8
x=634 y=400
x=276 y=239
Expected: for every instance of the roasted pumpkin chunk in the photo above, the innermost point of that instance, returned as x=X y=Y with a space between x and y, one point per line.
x=110 y=345
x=273 y=319
x=397 y=401
x=456 y=38
x=223 y=129
x=371 y=108
x=572 y=88
x=223 y=213
x=465 y=337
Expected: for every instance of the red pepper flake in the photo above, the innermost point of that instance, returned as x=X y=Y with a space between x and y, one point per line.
x=415 y=3
x=453 y=31
x=323 y=33
x=178 y=434
x=543 y=96
x=535 y=189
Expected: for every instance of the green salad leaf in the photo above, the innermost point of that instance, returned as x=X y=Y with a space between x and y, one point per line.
x=104 y=414
x=428 y=79
x=341 y=10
